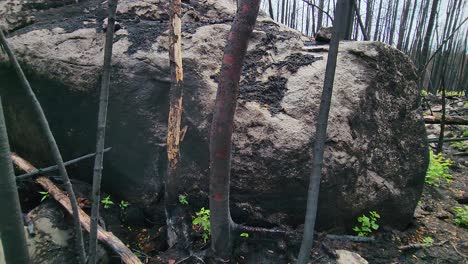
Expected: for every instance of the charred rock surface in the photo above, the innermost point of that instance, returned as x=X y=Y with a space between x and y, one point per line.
x=375 y=156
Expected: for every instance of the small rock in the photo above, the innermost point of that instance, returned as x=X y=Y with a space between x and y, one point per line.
x=348 y=257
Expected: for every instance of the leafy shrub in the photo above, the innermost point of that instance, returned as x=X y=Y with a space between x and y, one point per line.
x=438 y=170
x=461 y=216
x=368 y=224
x=203 y=220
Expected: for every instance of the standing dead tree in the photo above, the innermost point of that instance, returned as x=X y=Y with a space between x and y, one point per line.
x=320 y=135
x=11 y=223
x=222 y=126
x=101 y=130
x=177 y=228
x=44 y=125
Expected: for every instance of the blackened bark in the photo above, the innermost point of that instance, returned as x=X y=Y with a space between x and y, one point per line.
x=101 y=131
x=13 y=238
x=270 y=9
x=320 y=137
x=44 y=126
x=376 y=33
x=427 y=36
x=404 y=19
x=222 y=125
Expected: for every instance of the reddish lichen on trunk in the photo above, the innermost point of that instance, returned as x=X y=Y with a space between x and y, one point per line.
x=222 y=125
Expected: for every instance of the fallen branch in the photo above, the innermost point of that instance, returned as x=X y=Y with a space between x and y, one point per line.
x=449 y=120
x=55 y=167
x=432 y=140
x=350 y=238
x=421 y=245
x=105 y=237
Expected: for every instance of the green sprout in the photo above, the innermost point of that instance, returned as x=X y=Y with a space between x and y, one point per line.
x=107 y=202
x=45 y=195
x=244 y=234
x=428 y=241
x=183 y=199
x=123 y=204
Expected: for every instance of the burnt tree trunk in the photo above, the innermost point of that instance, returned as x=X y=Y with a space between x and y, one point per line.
x=177 y=228
x=13 y=237
x=222 y=126
x=320 y=136
x=101 y=131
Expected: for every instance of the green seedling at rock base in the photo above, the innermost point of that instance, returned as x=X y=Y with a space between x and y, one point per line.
x=244 y=234
x=438 y=170
x=123 y=204
x=461 y=216
x=428 y=241
x=107 y=202
x=45 y=195
x=368 y=224
x=183 y=199
x=203 y=220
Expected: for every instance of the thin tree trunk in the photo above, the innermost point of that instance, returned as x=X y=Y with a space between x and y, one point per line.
x=407 y=41
x=13 y=237
x=320 y=15
x=404 y=18
x=359 y=19
x=101 y=131
x=44 y=125
x=283 y=9
x=270 y=9
x=427 y=36
x=222 y=126
x=320 y=137
x=376 y=33
x=393 y=27
x=349 y=19
x=177 y=228
x=293 y=15
x=442 y=123
x=369 y=16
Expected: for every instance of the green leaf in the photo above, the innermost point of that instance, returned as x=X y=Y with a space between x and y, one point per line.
x=244 y=234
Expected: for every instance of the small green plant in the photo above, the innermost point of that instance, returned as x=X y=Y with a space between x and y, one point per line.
x=460 y=145
x=45 y=195
x=465 y=132
x=203 y=220
x=461 y=216
x=368 y=224
x=438 y=170
x=123 y=204
x=423 y=92
x=244 y=234
x=183 y=199
x=428 y=241
x=107 y=202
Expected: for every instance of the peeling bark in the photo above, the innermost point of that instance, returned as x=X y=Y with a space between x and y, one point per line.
x=177 y=228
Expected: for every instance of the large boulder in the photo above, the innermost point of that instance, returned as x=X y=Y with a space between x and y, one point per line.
x=376 y=153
